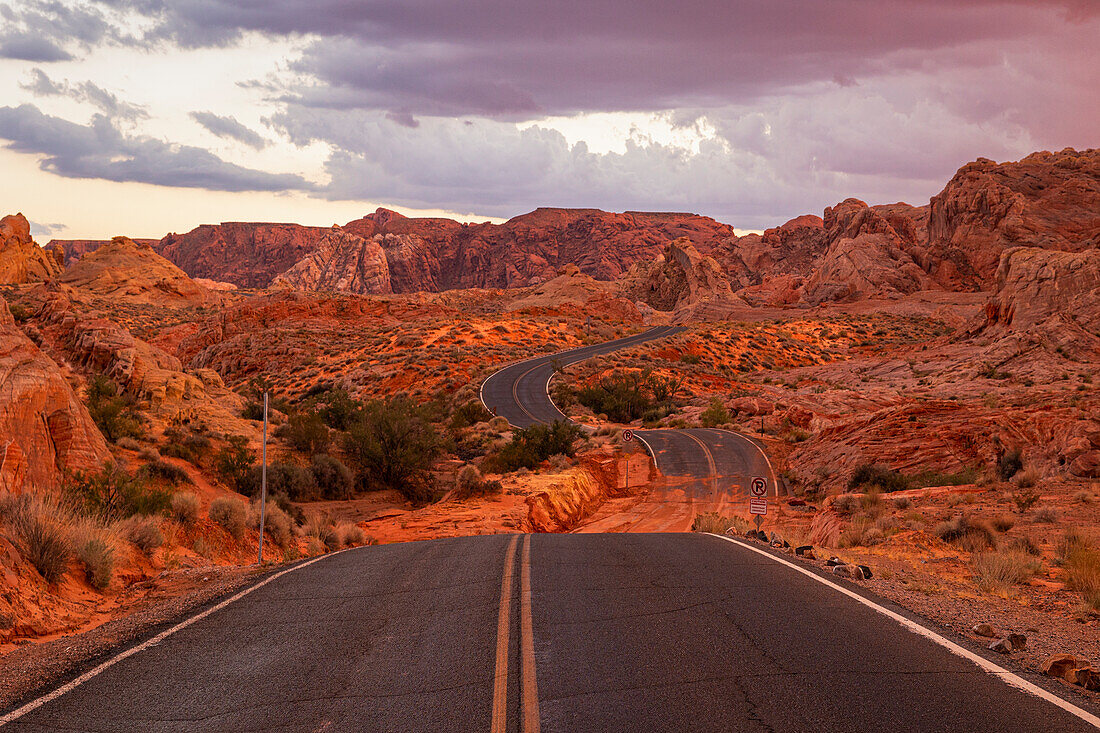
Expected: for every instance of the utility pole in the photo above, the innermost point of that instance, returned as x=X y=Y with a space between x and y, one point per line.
x=263 y=484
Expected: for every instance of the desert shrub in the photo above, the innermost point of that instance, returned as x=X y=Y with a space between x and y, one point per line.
x=691 y=358
x=1010 y=464
x=717 y=523
x=901 y=503
x=559 y=462
x=867 y=475
x=393 y=445
x=1024 y=500
x=277 y=523
x=629 y=396
x=112 y=494
x=470 y=484
x=305 y=432
x=43 y=539
x=1072 y=542
x=19 y=312
x=164 y=471
x=845 y=504
x=350 y=534
x=314 y=546
x=184 y=508
x=1046 y=515
x=1083 y=497
x=715 y=414
x=143 y=532
x=971 y=535
x=469 y=414
x=98 y=557
x=1083 y=572
x=1003 y=522
x=334 y=480
x=997 y=572
x=149 y=453
x=114 y=412
x=234 y=462
x=1025 y=544
x=231 y=514
x=191 y=448
x=128 y=443
x=500 y=424
x=872 y=503
x=531 y=446
x=322 y=529
x=338 y=409
x=1026 y=479
x=923 y=479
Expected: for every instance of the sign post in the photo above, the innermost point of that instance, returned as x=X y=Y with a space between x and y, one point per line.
x=758 y=502
x=628 y=435
x=263 y=484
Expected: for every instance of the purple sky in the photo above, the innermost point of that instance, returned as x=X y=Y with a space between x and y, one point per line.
x=752 y=111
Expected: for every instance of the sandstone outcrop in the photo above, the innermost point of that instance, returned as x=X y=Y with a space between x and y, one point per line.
x=1047 y=200
x=124 y=270
x=21 y=260
x=342 y=262
x=248 y=255
x=680 y=278
x=71 y=250
x=45 y=430
x=869 y=253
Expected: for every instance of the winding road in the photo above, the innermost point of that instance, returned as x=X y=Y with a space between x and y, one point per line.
x=704 y=468
x=572 y=632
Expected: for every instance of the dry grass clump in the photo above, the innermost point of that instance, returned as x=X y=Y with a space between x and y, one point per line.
x=320 y=528
x=96 y=550
x=142 y=531
x=314 y=546
x=862 y=532
x=971 y=535
x=1003 y=522
x=185 y=508
x=845 y=504
x=42 y=538
x=715 y=523
x=278 y=525
x=901 y=503
x=998 y=571
x=231 y=514
x=1083 y=573
x=351 y=535
x=470 y=484
x=1046 y=515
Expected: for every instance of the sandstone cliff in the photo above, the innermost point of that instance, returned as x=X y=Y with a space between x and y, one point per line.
x=124 y=270
x=681 y=277
x=342 y=262
x=21 y=260
x=45 y=430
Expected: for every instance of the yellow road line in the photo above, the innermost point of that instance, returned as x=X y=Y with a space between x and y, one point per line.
x=527 y=644
x=500 y=680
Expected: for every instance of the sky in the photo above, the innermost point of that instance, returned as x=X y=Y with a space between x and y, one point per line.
x=142 y=117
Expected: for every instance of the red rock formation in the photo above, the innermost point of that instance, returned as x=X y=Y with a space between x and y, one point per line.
x=680 y=278
x=124 y=270
x=45 y=430
x=342 y=262
x=21 y=260
x=71 y=250
x=1047 y=200
x=246 y=255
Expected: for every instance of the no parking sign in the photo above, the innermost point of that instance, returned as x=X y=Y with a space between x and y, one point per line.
x=758 y=487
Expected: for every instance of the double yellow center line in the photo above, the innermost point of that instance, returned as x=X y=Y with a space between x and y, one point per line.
x=529 y=694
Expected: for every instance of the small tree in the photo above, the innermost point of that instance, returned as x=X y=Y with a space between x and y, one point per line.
x=113 y=494
x=715 y=414
x=306 y=432
x=334 y=480
x=393 y=445
x=531 y=446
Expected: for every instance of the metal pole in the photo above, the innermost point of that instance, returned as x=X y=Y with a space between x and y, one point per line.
x=263 y=484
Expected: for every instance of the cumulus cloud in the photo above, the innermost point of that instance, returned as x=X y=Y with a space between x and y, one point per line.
x=44 y=31
x=101 y=150
x=42 y=85
x=229 y=127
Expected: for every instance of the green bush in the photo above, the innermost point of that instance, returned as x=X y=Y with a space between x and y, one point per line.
x=19 y=312
x=715 y=414
x=293 y=481
x=393 y=445
x=469 y=414
x=234 y=462
x=191 y=447
x=164 y=471
x=114 y=412
x=305 y=432
x=531 y=446
x=867 y=476
x=338 y=409
x=622 y=396
x=334 y=480
x=113 y=494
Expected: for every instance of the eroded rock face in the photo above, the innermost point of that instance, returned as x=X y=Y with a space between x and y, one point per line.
x=71 y=250
x=248 y=255
x=342 y=262
x=129 y=271
x=45 y=430
x=1046 y=200
x=869 y=252
x=21 y=260
x=680 y=277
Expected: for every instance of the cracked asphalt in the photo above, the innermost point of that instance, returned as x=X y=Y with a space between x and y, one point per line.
x=632 y=632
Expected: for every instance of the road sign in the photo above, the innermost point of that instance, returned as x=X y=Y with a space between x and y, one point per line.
x=628 y=435
x=758 y=487
x=758 y=506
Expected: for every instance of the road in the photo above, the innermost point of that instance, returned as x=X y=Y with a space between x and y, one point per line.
x=706 y=468
x=627 y=632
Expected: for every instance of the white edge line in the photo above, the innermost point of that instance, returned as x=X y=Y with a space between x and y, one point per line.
x=747 y=439
x=996 y=670
x=73 y=684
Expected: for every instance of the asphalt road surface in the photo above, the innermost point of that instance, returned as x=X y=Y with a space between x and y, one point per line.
x=710 y=462
x=627 y=632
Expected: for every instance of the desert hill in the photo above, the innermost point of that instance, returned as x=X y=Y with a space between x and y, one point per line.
x=125 y=270
x=73 y=249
